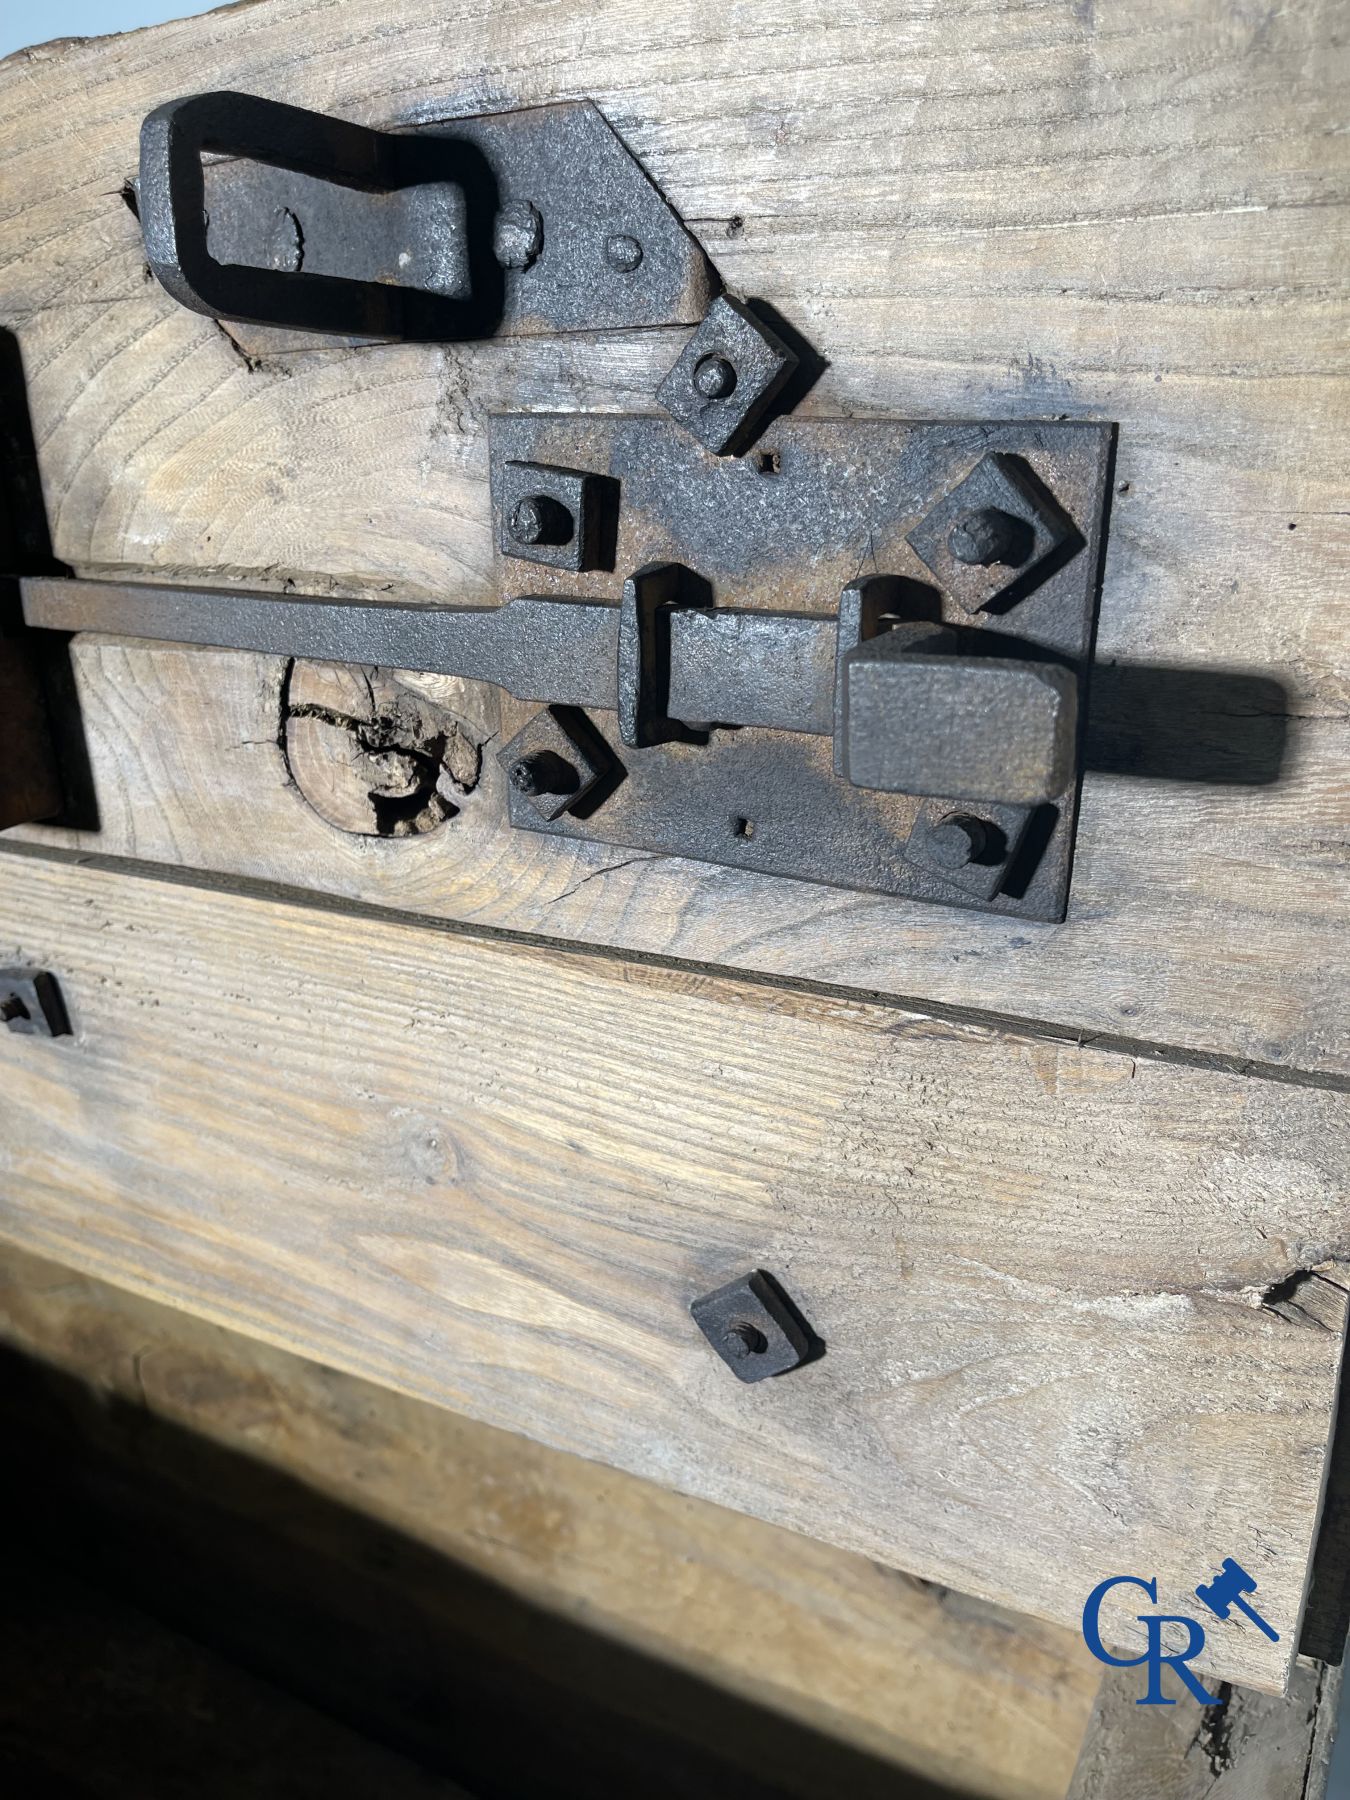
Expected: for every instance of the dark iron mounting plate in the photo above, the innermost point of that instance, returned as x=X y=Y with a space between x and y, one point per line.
x=816 y=505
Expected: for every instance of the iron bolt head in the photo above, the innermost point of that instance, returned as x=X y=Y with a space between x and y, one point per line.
x=714 y=377
x=754 y=1327
x=539 y=519
x=957 y=840
x=543 y=772
x=990 y=536
x=622 y=253
x=553 y=763
x=745 y=364
x=744 y=1339
x=987 y=536
x=547 y=514
x=517 y=234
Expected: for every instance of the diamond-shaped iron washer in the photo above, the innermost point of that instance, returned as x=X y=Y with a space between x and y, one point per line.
x=998 y=488
x=753 y=1327
x=564 y=755
x=727 y=374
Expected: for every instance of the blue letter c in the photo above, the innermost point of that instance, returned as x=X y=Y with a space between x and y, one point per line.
x=1092 y=1627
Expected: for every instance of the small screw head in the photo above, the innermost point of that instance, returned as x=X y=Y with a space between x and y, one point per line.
x=517 y=234
x=986 y=536
x=539 y=519
x=714 y=377
x=622 y=253
x=957 y=840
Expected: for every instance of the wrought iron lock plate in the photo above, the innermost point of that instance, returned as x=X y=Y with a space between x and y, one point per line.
x=870 y=730
x=528 y=221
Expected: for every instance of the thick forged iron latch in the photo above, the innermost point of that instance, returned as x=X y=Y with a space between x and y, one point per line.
x=841 y=650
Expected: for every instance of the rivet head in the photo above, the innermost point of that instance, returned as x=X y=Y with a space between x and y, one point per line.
x=714 y=377
x=527 y=520
x=622 y=253
x=957 y=840
x=540 y=519
x=985 y=536
x=517 y=234
x=523 y=776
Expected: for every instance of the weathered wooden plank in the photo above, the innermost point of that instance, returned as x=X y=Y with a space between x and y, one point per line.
x=1067 y=1297
x=1111 y=211
x=1253 y=1747
x=829 y=1671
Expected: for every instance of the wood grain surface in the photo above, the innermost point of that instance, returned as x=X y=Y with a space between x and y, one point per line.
x=1067 y=1295
x=1132 y=212
x=437 y=1522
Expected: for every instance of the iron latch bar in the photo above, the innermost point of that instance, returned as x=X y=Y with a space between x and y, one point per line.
x=883 y=700
x=538 y=650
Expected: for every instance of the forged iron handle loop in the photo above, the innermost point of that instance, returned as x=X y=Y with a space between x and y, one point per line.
x=172 y=196
x=173 y=207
